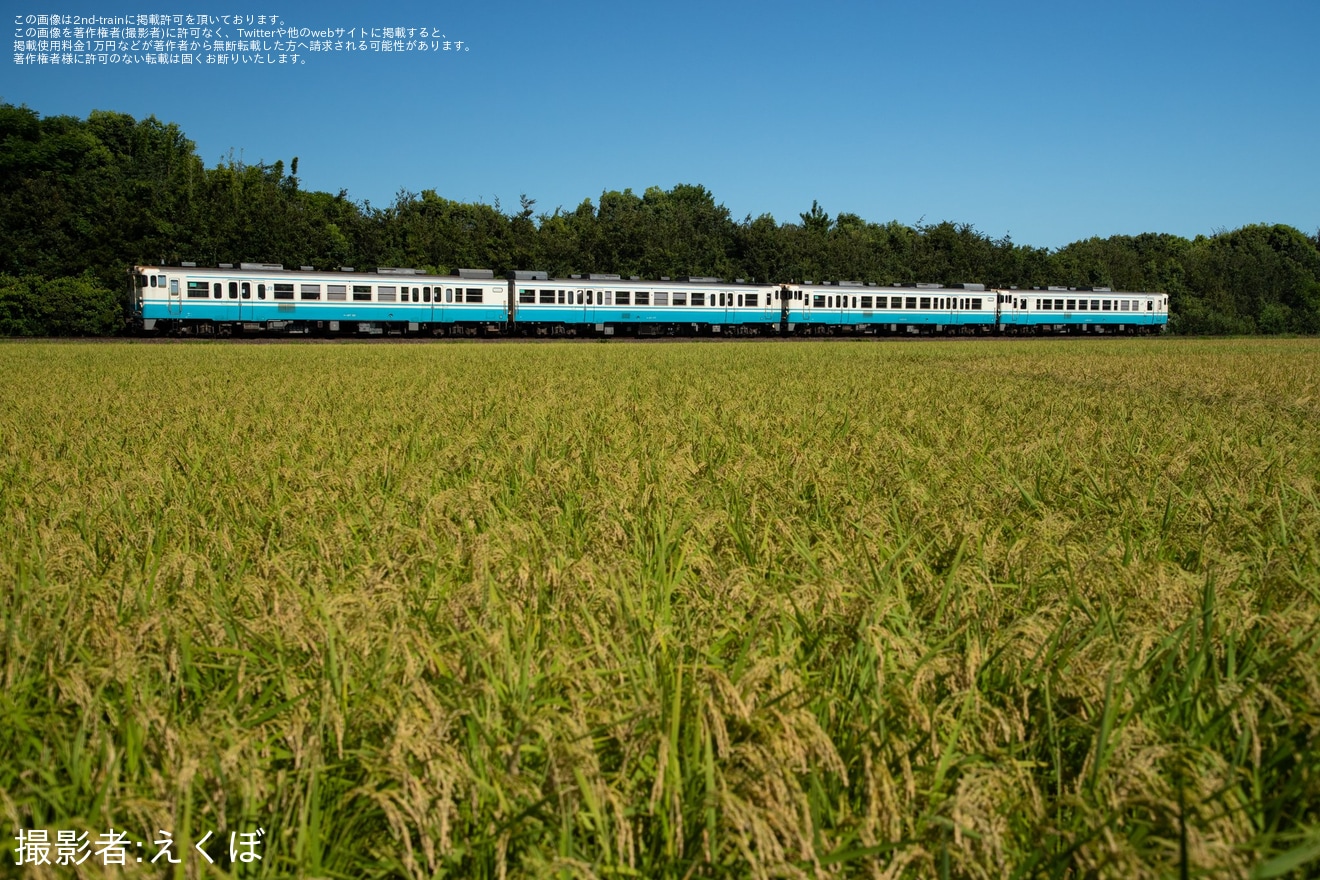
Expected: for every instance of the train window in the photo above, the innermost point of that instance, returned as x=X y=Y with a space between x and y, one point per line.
x=818 y=301
x=474 y=294
x=197 y=289
x=336 y=292
x=217 y=290
x=449 y=294
x=621 y=298
x=362 y=293
x=526 y=296
x=680 y=299
x=233 y=290
x=426 y=294
x=1095 y=305
x=642 y=298
x=1072 y=304
x=925 y=302
x=310 y=291
x=588 y=297
x=1107 y=305
x=609 y=297
x=661 y=298
x=416 y=295
x=547 y=297
x=698 y=299
x=1149 y=306
x=261 y=291
x=385 y=294
x=152 y=278
x=976 y=302
x=911 y=302
x=579 y=297
x=561 y=296
x=1045 y=304
x=751 y=299
x=866 y=302
x=283 y=291
x=247 y=290
x=1081 y=305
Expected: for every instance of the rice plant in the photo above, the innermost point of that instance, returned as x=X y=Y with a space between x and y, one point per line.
x=776 y=609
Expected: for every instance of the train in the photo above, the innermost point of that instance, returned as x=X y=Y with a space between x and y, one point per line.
x=264 y=298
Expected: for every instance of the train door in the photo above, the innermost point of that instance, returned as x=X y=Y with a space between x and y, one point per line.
x=245 y=300
x=175 y=305
x=229 y=306
x=444 y=312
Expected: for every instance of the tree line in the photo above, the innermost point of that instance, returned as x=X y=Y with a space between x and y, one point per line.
x=82 y=199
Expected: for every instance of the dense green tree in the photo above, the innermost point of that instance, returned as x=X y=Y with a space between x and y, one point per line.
x=429 y=231
x=758 y=248
x=97 y=195
x=31 y=305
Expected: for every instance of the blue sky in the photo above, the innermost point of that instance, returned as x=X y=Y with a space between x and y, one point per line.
x=1045 y=121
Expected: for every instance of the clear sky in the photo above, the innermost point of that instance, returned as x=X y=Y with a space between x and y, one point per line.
x=1045 y=120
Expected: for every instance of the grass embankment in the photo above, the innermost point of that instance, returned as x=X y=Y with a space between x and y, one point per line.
x=874 y=609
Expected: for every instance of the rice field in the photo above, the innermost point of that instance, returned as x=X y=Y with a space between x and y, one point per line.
x=858 y=609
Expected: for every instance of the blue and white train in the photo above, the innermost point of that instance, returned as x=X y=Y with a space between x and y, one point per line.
x=263 y=298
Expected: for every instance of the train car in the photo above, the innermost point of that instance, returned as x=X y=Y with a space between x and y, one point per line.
x=851 y=307
x=611 y=305
x=258 y=297
x=1081 y=310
